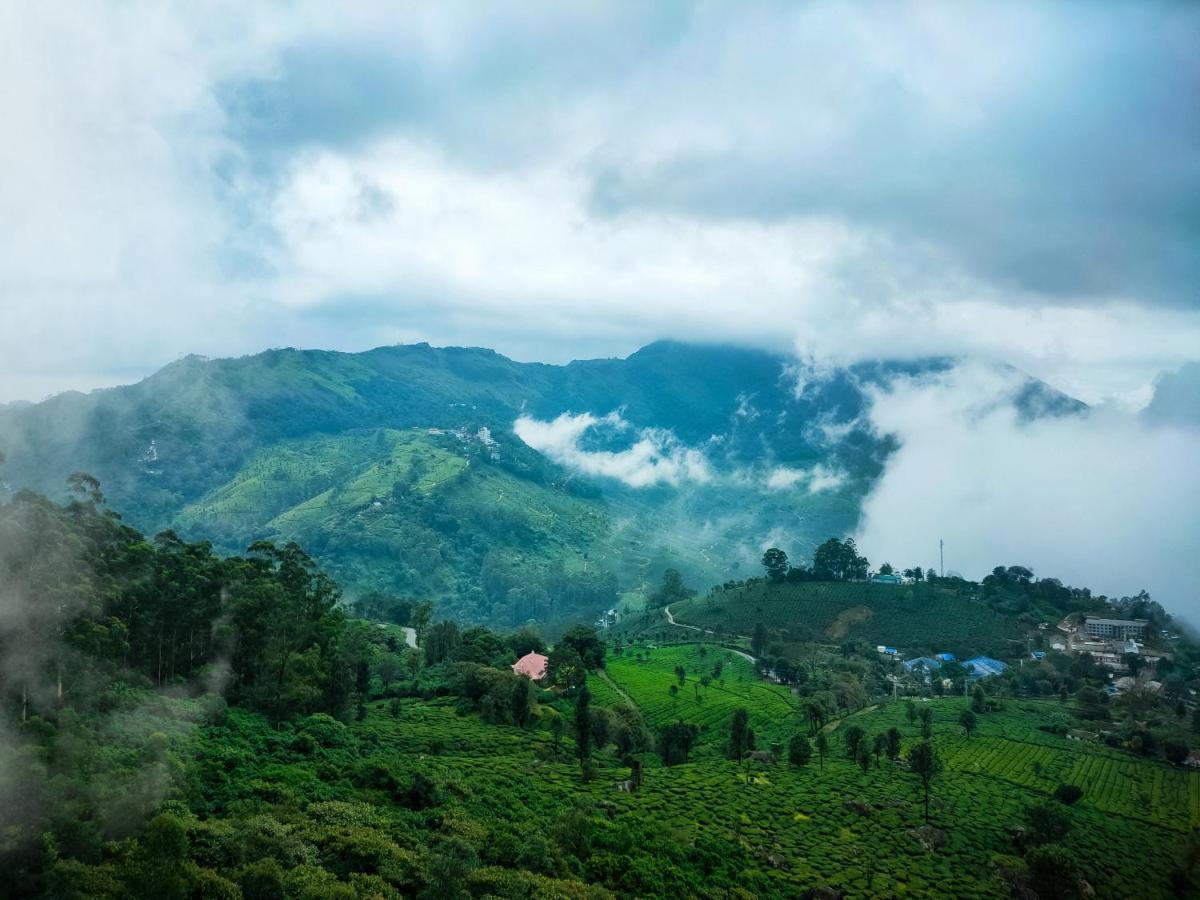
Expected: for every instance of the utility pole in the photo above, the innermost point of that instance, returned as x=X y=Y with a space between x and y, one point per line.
x=941 y=558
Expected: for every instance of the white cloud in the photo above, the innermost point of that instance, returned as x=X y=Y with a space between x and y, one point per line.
x=1102 y=501
x=655 y=457
x=816 y=480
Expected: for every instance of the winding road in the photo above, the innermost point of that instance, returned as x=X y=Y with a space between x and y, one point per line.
x=671 y=621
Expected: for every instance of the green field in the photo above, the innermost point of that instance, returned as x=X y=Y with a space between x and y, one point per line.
x=648 y=682
x=914 y=618
x=801 y=816
x=781 y=832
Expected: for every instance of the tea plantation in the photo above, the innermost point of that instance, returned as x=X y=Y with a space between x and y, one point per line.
x=916 y=617
x=776 y=833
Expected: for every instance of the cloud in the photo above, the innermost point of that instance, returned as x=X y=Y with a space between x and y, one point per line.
x=817 y=479
x=1104 y=500
x=654 y=457
x=1014 y=181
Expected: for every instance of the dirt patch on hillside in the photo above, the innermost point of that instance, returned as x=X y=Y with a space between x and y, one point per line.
x=845 y=619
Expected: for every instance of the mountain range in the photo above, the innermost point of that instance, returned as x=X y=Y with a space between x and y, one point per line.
x=507 y=491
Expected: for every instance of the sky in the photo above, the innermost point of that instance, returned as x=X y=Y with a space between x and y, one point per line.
x=1011 y=181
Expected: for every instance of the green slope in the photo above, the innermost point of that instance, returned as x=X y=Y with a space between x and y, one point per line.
x=415 y=513
x=916 y=619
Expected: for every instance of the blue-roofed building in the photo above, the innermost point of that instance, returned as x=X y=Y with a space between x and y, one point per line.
x=922 y=667
x=922 y=662
x=1038 y=654
x=944 y=657
x=983 y=667
x=886 y=579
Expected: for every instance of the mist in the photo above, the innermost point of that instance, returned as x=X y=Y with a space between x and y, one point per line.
x=1107 y=500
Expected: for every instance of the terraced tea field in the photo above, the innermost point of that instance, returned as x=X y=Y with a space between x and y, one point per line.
x=782 y=832
x=648 y=683
x=1009 y=746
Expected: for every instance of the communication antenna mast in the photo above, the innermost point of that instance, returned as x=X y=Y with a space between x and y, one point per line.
x=941 y=558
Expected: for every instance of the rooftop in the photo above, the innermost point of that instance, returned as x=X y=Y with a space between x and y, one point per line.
x=984 y=666
x=1100 y=621
x=531 y=665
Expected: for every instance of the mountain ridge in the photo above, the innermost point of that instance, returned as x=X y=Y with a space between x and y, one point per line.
x=782 y=462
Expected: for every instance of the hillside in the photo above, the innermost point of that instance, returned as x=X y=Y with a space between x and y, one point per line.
x=693 y=456
x=916 y=618
x=409 y=513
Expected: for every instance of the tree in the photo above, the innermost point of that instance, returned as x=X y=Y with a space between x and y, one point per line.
x=886 y=569
x=521 y=701
x=602 y=726
x=676 y=741
x=681 y=675
x=979 y=699
x=583 y=727
x=1054 y=872
x=893 y=744
x=775 y=561
x=854 y=737
x=557 y=729
x=419 y=619
x=758 y=643
x=837 y=560
x=1068 y=794
x=879 y=747
x=1093 y=703
x=815 y=710
x=863 y=757
x=924 y=763
x=968 y=721
x=670 y=591
x=739 y=734
x=822 y=748
x=799 y=751
x=85 y=487
x=1175 y=750
x=584 y=640
x=565 y=668
x=910 y=710
x=925 y=716
x=1046 y=823
x=440 y=642
x=630 y=733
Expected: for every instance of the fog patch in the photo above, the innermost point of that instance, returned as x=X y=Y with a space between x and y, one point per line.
x=655 y=457
x=1107 y=500
x=816 y=479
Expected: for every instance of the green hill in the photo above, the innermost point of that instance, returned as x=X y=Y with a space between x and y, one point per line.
x=412 y=513
x=303 y=444
x=918 y=618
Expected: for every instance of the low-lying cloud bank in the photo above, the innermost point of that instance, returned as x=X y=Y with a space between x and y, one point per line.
x=1107 y=500
x=655 y=457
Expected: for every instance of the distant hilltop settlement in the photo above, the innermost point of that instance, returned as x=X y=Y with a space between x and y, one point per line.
x=465 y=436
x=1112 y=643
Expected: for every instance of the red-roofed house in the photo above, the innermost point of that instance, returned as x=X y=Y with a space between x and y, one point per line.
x=531 y=665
